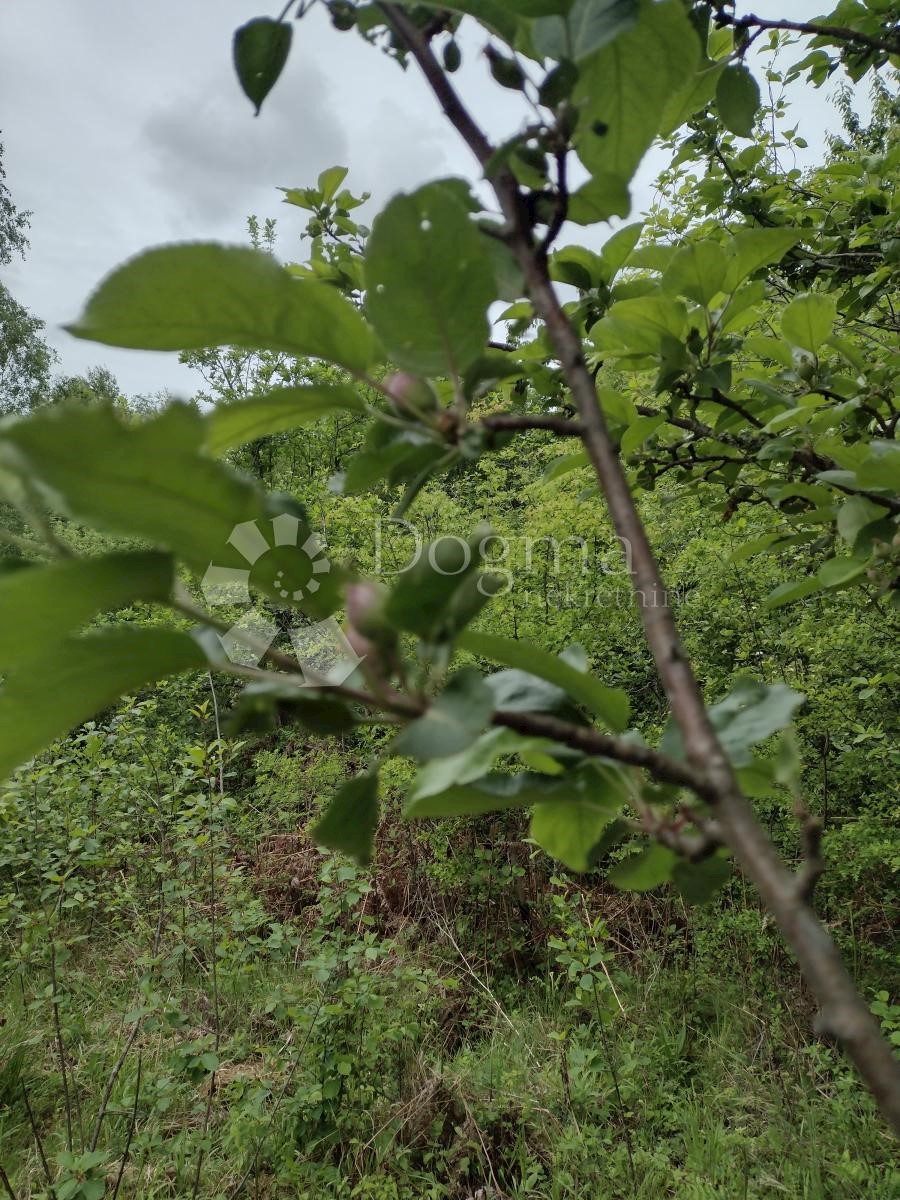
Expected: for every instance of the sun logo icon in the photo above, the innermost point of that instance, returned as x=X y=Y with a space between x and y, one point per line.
x=288 y=569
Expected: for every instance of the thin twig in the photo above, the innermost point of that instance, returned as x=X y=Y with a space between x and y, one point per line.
x=839 y=33
x=131 y=1126
x=37 y=1137
x=562 y=426
x=7 y=1186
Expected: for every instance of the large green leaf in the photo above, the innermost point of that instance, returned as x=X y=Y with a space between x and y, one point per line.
x=496 y=15
x=702 y=881
x=698 y=271
x=441 y=590
x=569 y=828
x=51 y=693
x=640 y=326
x=585 y=28
x=455 y=719
x=231 y=425
x=260 y=50
x=645 y=870
x=808 y=320
x=737 y=98
x=429 y=282
x=42 y=605
x=624 y=88
x=755 y=248
x=199 y=294
x=609 y=704
x=350 y=821
x=151 y=479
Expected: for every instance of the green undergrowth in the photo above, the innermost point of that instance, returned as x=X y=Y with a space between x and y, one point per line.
x=197 y=1002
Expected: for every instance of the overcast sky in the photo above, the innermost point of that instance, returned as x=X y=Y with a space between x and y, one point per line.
x=124 y=127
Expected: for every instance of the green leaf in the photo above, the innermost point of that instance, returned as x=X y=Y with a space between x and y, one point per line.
x=638 y=431
x=565 y=464
x=624 y=87
x=569 y=829
x=854 y=515
x=835 y=572
x=425 y=599
x=350 y=821
x=260 y=50
x=199 y=294
x=617 y=249
x=644 y=871
x=639 y=326
x=609 y=704
x=151 y=479
x=231 y=425
x=42 y=605
x=429 y=282
x=271 y=703
x=737 y=98
x=45 y=697
x=494 y=792
x=749 y=714
x=808 y=320
x=454 y=720
x=586 y=27
x=604 y=195
x=881 y=466
x=500 y=16
x=330 y=180
x=698 y=271
x=700 y=882
x=787 y=593
x=471 y=763
x=755 y=248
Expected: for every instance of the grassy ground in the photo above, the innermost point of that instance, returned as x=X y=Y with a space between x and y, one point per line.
x=340 y=1058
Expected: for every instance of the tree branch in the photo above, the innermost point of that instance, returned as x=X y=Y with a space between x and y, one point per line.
x=839 y=33
x=562 y=426
x=842 y=1010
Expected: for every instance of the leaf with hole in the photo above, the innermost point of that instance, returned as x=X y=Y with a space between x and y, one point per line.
x=624 y=87
x=429 y=282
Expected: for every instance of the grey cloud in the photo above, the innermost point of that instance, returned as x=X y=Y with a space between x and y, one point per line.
x=212 y=160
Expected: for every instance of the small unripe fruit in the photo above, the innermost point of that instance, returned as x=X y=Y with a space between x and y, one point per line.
x=365 y=607
x=411 y=394
x=343 y=16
